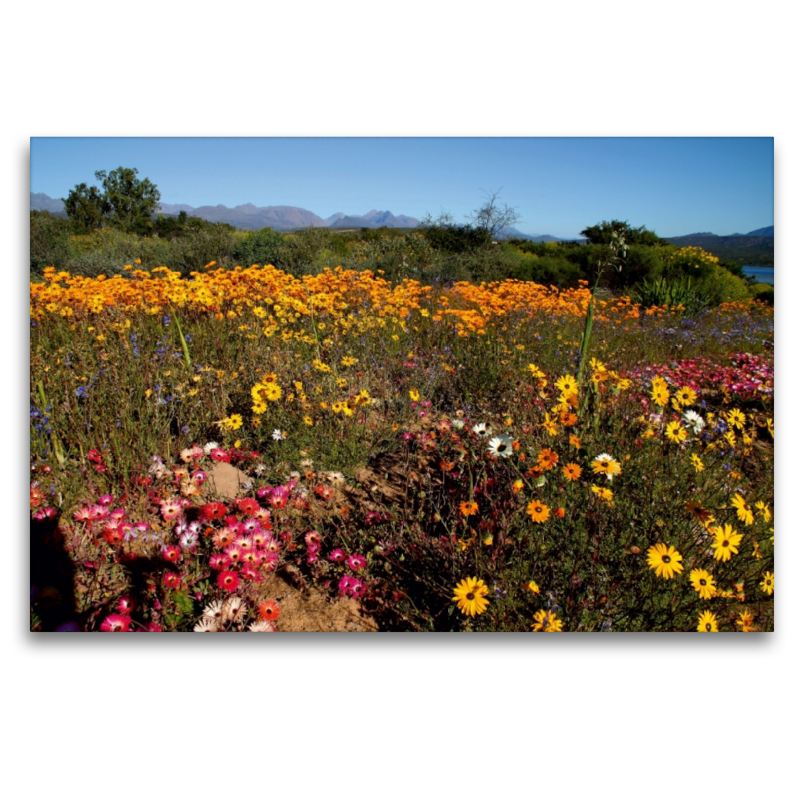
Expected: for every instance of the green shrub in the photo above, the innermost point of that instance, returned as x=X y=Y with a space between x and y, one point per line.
x=260 y=247
x=49 y=242
x=722 y=286
x=764 y=292
x=683 y=291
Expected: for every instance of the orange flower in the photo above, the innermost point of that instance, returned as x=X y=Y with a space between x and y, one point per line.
x=547 y=459
x=572 y=471
x=538 y=511
x=469 y=509
x=560 y=512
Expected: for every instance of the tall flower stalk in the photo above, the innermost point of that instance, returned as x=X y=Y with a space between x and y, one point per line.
x=615 y=259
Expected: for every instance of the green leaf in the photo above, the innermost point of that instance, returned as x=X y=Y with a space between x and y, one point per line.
x=184 y=602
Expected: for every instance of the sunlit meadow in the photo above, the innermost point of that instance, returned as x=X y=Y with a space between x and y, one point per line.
x=442 y=455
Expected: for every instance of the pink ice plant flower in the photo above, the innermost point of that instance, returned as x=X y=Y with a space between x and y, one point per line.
x=116 y=623
x=356 y=562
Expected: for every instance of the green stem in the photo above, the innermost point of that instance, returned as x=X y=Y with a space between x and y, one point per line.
x=59 y=453
x=183 y=340
x=587 y=330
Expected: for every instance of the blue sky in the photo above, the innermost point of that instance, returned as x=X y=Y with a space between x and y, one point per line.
x=558 y=185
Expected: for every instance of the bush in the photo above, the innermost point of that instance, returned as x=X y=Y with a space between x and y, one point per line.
x=49 y=242
x=683 y=291
x=260 y=247
x=724 y=287
x=764 y=292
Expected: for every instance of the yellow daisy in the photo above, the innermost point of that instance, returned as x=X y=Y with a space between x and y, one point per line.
x=726 y=542
x=666 y=561
x=703 y=583
x=707 y=623
x=470 y=595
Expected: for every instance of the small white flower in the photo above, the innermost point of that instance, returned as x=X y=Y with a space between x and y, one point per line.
x=694 y=421
x=262 y=626
x=214 y=610
x=209 y=446
x=458 y=424
x=234 y=609
x=482 y=429
x=500 y=447
x=278 y=435
x=206 y=626
x=260 y=469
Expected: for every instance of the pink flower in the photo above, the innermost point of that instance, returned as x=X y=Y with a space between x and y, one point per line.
x=219 y=561
x=105 y=500
x=270 y=560
x=356 y=562
x=171 y=552
x=125 y=605
x=199 y=477
x=337 y=555
x=220 y=455
x=116 y=623
x=172 y=580
x=313 y=540
x=250 y=573
x=279 y=497
x=97 y=512
x=345 y=583
x=228 y=580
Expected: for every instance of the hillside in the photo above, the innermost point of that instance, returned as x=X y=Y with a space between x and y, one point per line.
x=745 y=250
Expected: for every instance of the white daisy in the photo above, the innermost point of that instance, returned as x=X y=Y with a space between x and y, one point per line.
x=206 y=626
x=500 y=447
x=262 y=626
x=278 y=435
x=214 y=610
x=234 y=609
x=209 y=446
x=694 y=421
x=458 y=424
x=482 y=429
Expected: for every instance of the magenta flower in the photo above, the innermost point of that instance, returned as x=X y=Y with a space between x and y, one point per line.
x=116 y=623
x=356 y=562
x=219 y=561
x=337 y=555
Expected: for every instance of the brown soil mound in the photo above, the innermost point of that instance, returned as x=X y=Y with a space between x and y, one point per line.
x=311 y=610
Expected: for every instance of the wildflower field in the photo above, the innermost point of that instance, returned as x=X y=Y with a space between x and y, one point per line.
x=447 y=457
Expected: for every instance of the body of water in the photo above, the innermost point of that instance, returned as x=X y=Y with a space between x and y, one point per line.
x=761 y=274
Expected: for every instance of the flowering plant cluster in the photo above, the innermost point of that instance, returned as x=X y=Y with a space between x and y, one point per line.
x=460 y=457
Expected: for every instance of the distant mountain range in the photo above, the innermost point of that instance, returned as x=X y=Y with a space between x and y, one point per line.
x=250 y=217
x=286 y=218
x=764 y=232
x=755 y=249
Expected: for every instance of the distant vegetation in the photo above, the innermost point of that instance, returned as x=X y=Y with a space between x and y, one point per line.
x=753 y=251
x=114 y=228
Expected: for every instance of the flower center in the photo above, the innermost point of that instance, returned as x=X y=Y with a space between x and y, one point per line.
x=702 y=581
x=470 y=595
x=666 y=559
x=726 y=543
x=708 y=626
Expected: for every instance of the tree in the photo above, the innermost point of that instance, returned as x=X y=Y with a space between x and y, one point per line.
x=85 y=207
x=605 y=232
x=126 y=202
x=491 y=218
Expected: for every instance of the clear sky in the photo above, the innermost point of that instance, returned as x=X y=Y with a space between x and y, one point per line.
x=559 y=186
